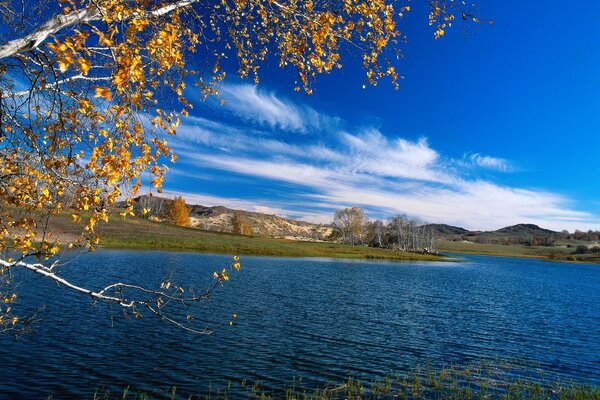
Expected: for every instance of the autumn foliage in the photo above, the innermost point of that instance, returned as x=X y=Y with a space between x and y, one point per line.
x=179 y=212
x=91 y=94
x=240 y=224
x=90 y=97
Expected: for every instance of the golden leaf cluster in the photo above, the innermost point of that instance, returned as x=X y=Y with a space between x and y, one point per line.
x=179 y=212
x=103 y=94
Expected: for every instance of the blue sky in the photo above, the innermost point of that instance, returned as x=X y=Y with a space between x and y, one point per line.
x=493 y=125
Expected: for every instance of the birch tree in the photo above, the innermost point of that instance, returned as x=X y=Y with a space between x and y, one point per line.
x=351 y=223
x=91 y=91
x=410 y=234
x=378 y=228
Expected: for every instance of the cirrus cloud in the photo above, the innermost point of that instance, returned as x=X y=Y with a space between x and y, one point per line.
x=314 y=175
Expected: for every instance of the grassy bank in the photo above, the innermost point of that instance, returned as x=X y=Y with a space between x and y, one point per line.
x=550 y=253
x=136 y=233
x=496 y=380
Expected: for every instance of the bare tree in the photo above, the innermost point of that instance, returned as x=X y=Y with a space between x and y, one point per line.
x=351 y=223
x=150 y=207
x=378 y=228
x=409 y=234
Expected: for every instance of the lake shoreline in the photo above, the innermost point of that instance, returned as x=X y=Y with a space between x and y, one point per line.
x=341 y=252
x=517 y=251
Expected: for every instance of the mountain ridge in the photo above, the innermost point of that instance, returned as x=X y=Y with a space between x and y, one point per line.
x=221 y=219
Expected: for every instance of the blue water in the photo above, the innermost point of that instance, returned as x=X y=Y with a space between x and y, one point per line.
x=318 y=320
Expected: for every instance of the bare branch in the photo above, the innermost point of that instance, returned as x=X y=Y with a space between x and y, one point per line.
x=47 y=272
x=56 y=84
x=155 y=303
x=58 y=22
x=50 y=27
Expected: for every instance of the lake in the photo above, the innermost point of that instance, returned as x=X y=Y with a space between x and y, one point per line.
x=311 y=319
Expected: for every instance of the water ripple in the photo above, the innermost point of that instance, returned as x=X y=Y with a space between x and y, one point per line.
x=314 y=321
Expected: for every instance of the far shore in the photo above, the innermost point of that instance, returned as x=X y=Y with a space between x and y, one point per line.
x=546 y=253
x=141 y=234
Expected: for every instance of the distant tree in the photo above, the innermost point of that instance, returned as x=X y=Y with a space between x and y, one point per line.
x=410 y=234
x=398 y=232
x=240 y=224
x=351 y=223
x=377 y=229
x=150 y=207
x=581 y=249
x=179 y=213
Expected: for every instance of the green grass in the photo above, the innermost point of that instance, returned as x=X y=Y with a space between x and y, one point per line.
x=551 y=253
x=136 y=233
x=488 y=380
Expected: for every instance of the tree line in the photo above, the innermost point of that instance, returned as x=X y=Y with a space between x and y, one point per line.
x=175 y=211
x=403 y=233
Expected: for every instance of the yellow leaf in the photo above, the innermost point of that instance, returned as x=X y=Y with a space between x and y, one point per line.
x=84 y=65
x=104 y=93
x=92 y=223
x=63 y=66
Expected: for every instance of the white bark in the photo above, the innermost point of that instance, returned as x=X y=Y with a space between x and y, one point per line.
x=59 y=22
x=50 y=27
x=160 y=297
x=55 y=85
x=47 y=272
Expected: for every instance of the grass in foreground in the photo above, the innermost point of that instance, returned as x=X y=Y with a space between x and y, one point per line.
x=551 y=253
x=498 y=380
x=137 y=233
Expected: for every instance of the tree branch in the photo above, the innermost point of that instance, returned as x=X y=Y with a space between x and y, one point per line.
x=53 y=25
x=47 y=272
x=58 y=22
x=155 y=296
x=56 y=84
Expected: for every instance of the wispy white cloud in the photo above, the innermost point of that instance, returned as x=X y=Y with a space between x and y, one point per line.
x=219 y=136
x=266 y=108
x=471 y=204
x=372 y=153
x=338 y=168
x=494 y=163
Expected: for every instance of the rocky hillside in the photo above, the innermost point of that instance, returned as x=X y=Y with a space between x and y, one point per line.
x=221 y=219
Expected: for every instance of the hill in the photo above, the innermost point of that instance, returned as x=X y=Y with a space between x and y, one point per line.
x=528 y=234
x=526 y=230
x=447 y=230
x=220 y=219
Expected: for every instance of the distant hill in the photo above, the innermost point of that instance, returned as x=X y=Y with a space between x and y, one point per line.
x=220 y=219
x=446 y=230
x=528 y=234
x=526 y=230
